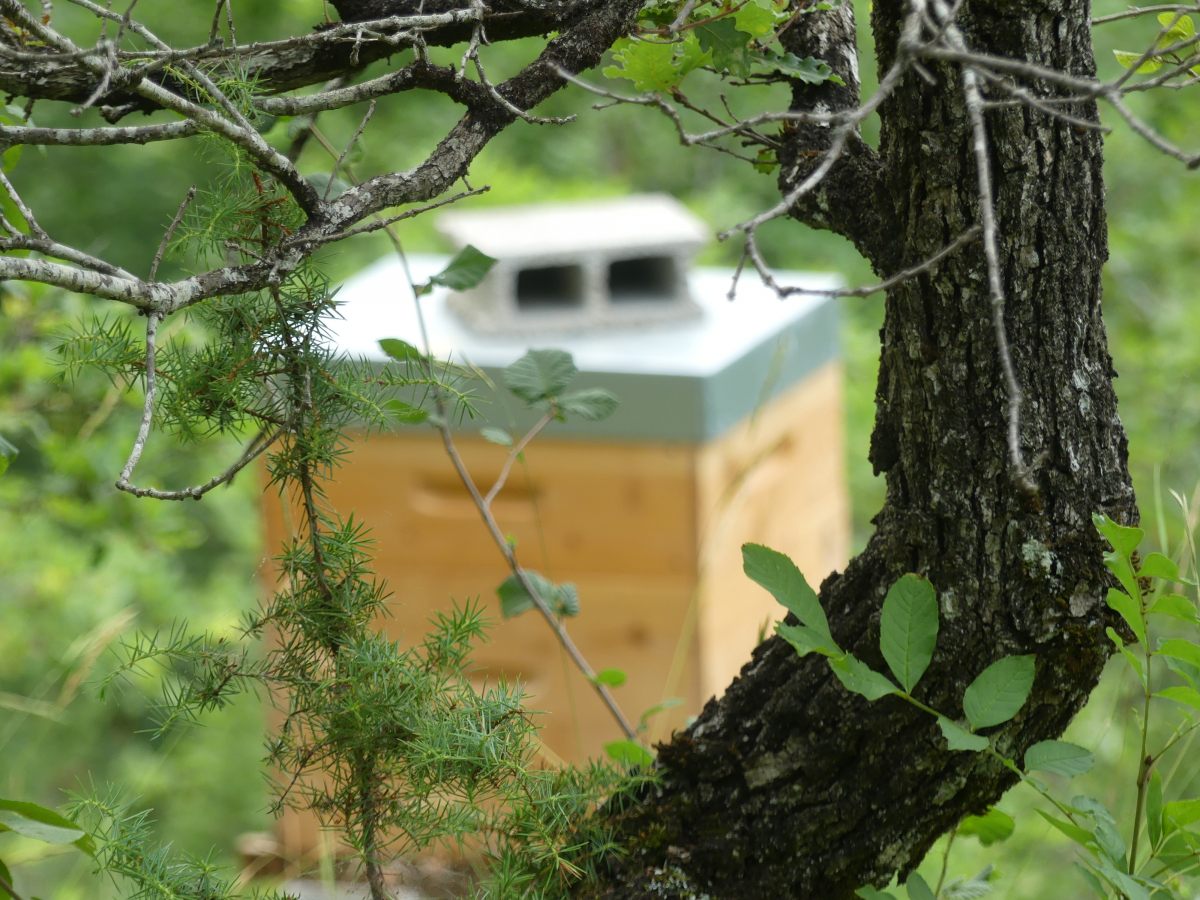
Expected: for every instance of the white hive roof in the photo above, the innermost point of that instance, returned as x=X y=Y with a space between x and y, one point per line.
x=578 y=226
x=681 y=381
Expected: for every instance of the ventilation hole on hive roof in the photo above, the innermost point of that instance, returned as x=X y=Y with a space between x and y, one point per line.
x=650 y=279
x=553 y=287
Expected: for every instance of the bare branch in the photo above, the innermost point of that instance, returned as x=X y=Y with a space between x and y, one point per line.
x=354 y=140
x=973 y=97
x=95 y=137
x=257 y=446
x=162 y=247
x=788 y=290
x=139 y=443
x=20 y=205
x=1143 y=11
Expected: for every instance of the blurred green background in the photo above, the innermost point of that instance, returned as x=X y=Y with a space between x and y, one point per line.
x=80 y=565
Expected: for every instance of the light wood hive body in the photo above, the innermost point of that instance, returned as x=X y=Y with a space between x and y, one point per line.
x=649 y=532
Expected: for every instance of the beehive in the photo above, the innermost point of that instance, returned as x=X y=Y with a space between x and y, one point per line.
x=729 y=430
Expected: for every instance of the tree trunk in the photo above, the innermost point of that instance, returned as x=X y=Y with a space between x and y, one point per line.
x=789 y=786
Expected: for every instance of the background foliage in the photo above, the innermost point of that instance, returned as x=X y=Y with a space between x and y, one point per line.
x=80 y=565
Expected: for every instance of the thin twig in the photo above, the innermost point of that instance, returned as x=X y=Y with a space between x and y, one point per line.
x=162 y=247
x=973 y=98
x=391 y=220
x=965 y=237
x=257 y=446
x=152 y=320
x=515 y=452
x=1144 y=10
x=25 y=210
x=354 y=140
x=443 y=426
x=8 y=889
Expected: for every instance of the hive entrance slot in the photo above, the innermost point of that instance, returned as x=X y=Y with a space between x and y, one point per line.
x=646 y=279
x=551 y=287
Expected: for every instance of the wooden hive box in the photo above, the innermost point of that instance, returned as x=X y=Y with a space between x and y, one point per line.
x=729 y=430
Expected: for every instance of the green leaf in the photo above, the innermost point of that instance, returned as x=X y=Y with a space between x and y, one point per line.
x=1079 y=835
x=669 y=703
x=1177 y=31
x=650 y=66
x=958 y=738
x=990 y=828
x=1180 y=649
x=1156 y=565
x=779 y=575
x=765 y=161
x=593 y=404
x=1176 y=606
x=1134 y=662
x=7 y=454
x=727 y=44
x=908 y=628
x=41 y=824
x=496 y=436
x=1154 y=809
x=999 y=692
x=809 y=70
x=756 y=20
x=1124 y=539
x=1092 y=881
x=610 y=677
x=1122 y=882
x=807 y=640
x=1127 y=59
x=866 y=892
x=5 y=874
x=468 y=267
x=563 y=599
x=978 y=886
x=1188 y=672
x=1183 y=812
x=630 y=752
x=918 y=888
x=860 y=678
x=1092 y=807
x=401 y=351
x=1059 y=757
x=690 y=55
x=1130 y=610
x=1187 y=695
x=406 y=412
x=1111 y=843
x=540 y=374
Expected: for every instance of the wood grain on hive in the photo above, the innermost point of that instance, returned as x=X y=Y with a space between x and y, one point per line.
x=729 y=430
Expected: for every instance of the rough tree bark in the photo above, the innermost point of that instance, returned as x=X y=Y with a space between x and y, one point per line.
x=788 y=785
